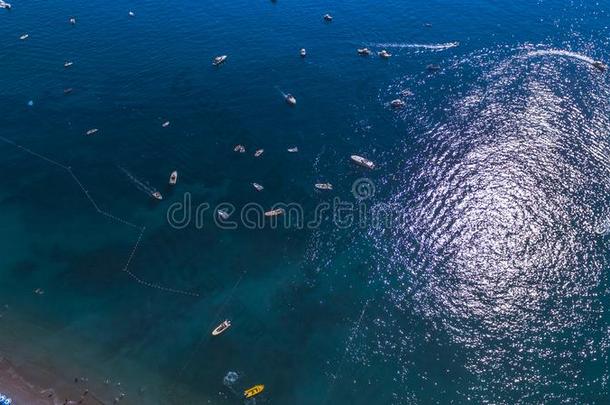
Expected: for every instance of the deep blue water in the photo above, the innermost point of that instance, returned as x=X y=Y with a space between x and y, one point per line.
x=490 y=285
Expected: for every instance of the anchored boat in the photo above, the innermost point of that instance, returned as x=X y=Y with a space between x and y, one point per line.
x=219 y=59
x=251 y=392
x=323 y=186
x=157 y=195
x=291 y=100
x=173 y=178
x=363 y=161
x=221 y=328
x=274 y=213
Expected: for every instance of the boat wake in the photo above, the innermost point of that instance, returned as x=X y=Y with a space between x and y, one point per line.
x=143 y=187
x=560 y=52
x=281 y=92
x=432 y=47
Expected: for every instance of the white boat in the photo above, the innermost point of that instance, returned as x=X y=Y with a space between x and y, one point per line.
x=364 y=51
x=91 y=131
x=327 y=17
x=68 y=63
x=223 y=214
x=165 y=124
x=274 y=213
x=291 y=100
x=324 y=186
x=303 y=52
x=239 y=149
x=259 y=152
x=398 y=103
x=24 y=37
x=157 y=195
x=384 y=54
x=294 y=149
x=599 y=65
x=132 y=14
x=5 y=6
x=221 y=328
x=258 y=187
x=72 y=20
x=363 y=161
x=68 y=90
x=219 y=59
x=173 y=178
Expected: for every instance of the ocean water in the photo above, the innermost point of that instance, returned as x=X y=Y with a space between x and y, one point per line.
x=486 y=281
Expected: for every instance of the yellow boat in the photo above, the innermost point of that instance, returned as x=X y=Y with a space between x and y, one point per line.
x=251 y=392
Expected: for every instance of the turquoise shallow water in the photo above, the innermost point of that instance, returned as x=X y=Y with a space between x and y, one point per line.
x=489 y=285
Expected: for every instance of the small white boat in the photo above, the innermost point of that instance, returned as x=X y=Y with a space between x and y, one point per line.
x=68 y=90
x=173 y=178
x=363 y=161
x=68 y=63
x=291 y=100
x=599 y=65
x=364 y=51
x=239 y=149
x=324 y=186
x=39 y=291
x=157 y=195
x=132 y=14
x=223 y=214
x=384 y=54
x=5 y=6
x=91 y=131
x=303 y=52
x=275 y=213
x=398 y=103
x=327 y=17
x=165 y=124
x=294 y=149
x=219 y=59
x=24 y=37
x=258 y=187
x=259 y=152
x=221 y=328
x=72 y=20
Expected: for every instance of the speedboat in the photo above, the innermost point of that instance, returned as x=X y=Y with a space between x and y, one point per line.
x=327 y=17
x=599 y=65
x=398 y=103
x=258 y=187
x=223 y=214
x=364 y=51
x=68 y=91
x=157 y=195
x=173 y=178
x=165 y=124
x=251 y=392
x=274 y=213
x=132 y=14
x=363 y=161
x=24 y=37
x=68 y=63
x=291 y=100
x=72 y=20
x=433 y=68
x=91 y=131
x=221 y=328
x=324 y=186
x=303 y=52
x=239 y=149
x=259 y=152
x=5 y=6
x=294 y=149
x=219 y=59
x=384 y=54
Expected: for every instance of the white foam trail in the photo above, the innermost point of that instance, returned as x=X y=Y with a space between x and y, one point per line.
x=560 y=52
x=281 y=92
x=139 y=184
x=433 y=47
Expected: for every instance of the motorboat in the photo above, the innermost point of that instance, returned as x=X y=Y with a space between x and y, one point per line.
x=294 y=149
x=433 y=68
x=221 y=328
x=363 y=161
x=253 y=391
x=5 y=6
x=275 y=213
x=239 y=149
x=599 y=65
x=72 y=20
x=68 y=63
x=132 y=14
x=384 y=54
x=328 y=17
x=323 y=186
x=68 y=90
x=173 y=178
x=258 y=187
x=303 y=52
x=165 y=124
x=259 y=152
x=219 y=59
x=364 y=51
x=24 y=37
x=91 y=131
x=157 y=195
x=291 y=100
x=223 y=214
x=398 y=103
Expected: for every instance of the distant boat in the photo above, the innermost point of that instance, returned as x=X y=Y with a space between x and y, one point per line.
x=251 y=392
x=433 y=68
x=398 y=103
x=5 y=6
x=294 y=149
x=364 y=51
x=291 y=100
x=219 y=59
x=599 y=65
x=165 y=124
x=258 y=187
x=323 y=186
x=68 y=91
x=259 y=152
x=328 y=17
x=384 y=54
x=132 y=14
x=24 y=37
x=173 y=178
x=239 y=149
x=157 y=195
x=303 y=52
x=221 y=328
x=275 y=213
x=223 y=214
x=67 y=64
x=72 y=20
x=363 y=161
x=91 y=131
